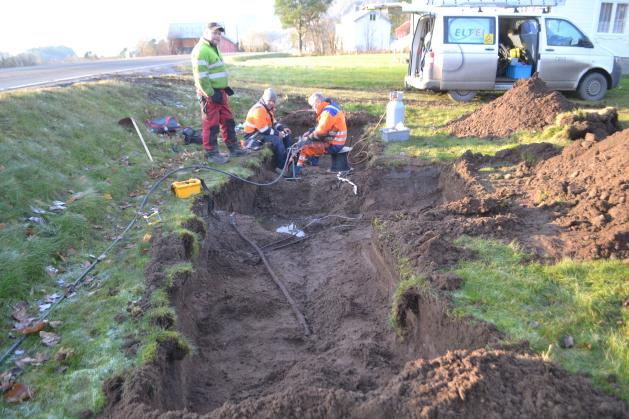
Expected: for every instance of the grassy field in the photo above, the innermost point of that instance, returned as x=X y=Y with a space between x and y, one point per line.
x=543 y=303
x=65 y=144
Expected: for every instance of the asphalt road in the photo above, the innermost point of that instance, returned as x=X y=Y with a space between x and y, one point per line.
x=41 y=75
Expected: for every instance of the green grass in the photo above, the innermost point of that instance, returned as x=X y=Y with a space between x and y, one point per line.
x=541 y=303
x=408 y=279
x=377 y=71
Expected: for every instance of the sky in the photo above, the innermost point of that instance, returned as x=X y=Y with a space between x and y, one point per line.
x=106 y=27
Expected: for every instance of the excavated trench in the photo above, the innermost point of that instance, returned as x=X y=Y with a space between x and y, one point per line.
x=250 y=355
x=248 y=342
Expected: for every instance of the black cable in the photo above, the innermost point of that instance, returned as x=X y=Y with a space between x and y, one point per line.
x=298 y=314
x=132 y=223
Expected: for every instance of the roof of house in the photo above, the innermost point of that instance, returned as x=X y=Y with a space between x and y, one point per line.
x=357 y=15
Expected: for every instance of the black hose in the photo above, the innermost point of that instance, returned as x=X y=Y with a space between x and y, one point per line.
x=278 y=282
x=131 y=224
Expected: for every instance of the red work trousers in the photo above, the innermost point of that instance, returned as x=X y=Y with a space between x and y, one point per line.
x=216 y=115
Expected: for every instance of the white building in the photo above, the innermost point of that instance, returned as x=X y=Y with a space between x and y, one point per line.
x=603 y=21
x=363 y=30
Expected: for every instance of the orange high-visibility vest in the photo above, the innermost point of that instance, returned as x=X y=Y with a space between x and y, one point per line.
x=331 y=123
x=259 y=119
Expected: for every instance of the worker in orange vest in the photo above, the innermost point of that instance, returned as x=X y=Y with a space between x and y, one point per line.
x=328 y=137
x=261 y=127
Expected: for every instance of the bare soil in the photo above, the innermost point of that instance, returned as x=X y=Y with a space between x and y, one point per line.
x=529 y=105
x=251 y=357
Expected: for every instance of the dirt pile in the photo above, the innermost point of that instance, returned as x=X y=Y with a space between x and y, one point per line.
x=529 y=105
x=472 y=384
x=589 y=184
x=599 y=124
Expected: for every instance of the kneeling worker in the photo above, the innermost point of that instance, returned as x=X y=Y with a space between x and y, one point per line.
x=329 y=135
x=261 y=127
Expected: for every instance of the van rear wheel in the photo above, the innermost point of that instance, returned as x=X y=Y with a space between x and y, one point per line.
x=461 y=95
x=593 y=86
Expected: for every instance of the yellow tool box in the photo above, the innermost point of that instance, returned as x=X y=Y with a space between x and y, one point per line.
x=186 y=188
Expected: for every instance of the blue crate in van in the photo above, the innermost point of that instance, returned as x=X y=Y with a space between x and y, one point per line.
x=519 y=71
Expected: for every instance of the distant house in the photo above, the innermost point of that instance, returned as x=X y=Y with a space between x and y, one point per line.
x=363 y=30
x=403 y=30
x=182 y=37
x=403 y=38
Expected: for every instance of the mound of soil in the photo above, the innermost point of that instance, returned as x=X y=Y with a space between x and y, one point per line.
x=471 y=384
x=599 y=124
x=590 y=183
x=529 y=105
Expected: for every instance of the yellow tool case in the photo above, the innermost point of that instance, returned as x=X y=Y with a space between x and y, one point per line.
x=186 y=188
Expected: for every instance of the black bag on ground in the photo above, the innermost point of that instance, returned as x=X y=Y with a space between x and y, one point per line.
x=192 y=136
x=162 y=124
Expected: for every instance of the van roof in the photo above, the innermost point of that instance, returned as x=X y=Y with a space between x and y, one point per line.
x=461 y=7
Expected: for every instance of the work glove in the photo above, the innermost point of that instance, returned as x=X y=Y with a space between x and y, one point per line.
x=203 y=103
x=229 y=91
x=217 y=97
x=302 y=142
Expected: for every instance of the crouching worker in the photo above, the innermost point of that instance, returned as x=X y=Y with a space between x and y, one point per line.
x=329 y=135
x=261 y=127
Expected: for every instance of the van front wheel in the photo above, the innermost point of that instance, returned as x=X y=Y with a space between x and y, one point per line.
x=593 y=86
x=461 y=95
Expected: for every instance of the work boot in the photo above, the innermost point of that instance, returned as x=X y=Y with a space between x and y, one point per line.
x=216 y=158
x=237 y=152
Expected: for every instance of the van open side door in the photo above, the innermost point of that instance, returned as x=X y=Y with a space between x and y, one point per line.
x=470 y=52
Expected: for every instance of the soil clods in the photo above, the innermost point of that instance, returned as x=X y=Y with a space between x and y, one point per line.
x=529 y=105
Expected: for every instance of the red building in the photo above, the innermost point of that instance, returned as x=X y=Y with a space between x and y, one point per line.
x=402 y=30
x=182 y=37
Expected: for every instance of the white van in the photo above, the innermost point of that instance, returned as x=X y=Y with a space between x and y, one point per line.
x=463 y=50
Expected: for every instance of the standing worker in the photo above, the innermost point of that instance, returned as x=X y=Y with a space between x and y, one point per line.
x=261 y=127
x=210 y=80
x=329 y=135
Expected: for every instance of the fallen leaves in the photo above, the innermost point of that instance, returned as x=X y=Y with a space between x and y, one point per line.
x=7 y=379
x=20 y=312
x=64 y=354
x=18 y=393
x=36 y=328
x=39 y=359
x=49 y=338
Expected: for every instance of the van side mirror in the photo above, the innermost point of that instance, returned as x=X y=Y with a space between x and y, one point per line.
x=585 y=43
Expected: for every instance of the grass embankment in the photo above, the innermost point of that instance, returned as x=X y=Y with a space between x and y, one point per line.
x=65 y=144
x=544 y=303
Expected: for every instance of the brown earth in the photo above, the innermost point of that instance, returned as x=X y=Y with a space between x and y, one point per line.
x=588 y=186
x=529 y=105
x=591 y=125
x=251 y=356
